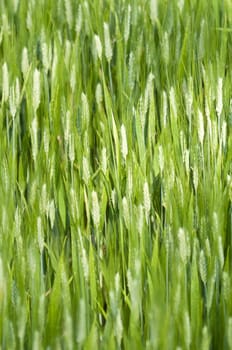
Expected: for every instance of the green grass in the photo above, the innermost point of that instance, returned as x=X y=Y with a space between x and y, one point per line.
x=115 y=174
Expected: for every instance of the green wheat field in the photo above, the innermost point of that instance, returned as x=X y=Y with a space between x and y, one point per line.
x=116 y=174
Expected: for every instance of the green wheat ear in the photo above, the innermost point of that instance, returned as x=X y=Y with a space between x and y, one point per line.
x=115 y=174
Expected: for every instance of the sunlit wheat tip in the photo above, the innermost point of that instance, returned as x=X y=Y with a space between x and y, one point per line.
x=34 y=130
x=187 y=330
x=205 y=343
x=36 y=341
x=153 y=10
x=44 y=199
x=46 y=139
x=85 y=169
x=201 y=130
x=79 y=20
x=219 y=105
x=18 y=220
x=161 y=158
x=129 y=181
x=54 y=62
x=131 y=71
x=104 y=160
x=140 y=216
x=45 y=56
x=32 y=261
x=177 y=296
x=203 y=267
x=180 y=191
x=165 y=48
x=67 y=52
x=40 y=234
x=81 y=328
x=15 y=4
x=117 y=283
x=52 y=212
x=207 y=248
x=182 y=245
x=220 y=251
x=146 y=199
x=195 y=177
x=29 y=19
x=51 y=166
x=98 y=94
x=209 y=127
x=85 y=107
x=73 y=79
x=5 y=82
x=98 y=46
x=147 y=95
x=173 y=106
x=95 y=209
x=141 y=110
x=224 y=133
x=85 y=264
x=71 y=148
x=74 y=203
x=164 y=108
x=215 y=222
x=182 y=140
x=68 y=12
x=5 y=175
x=17 y=91
x=118 y=328
x=113 y=198
x=67 y=128
x=107 y=41
x=215 y=136
x=172 y=176
x=21 y=321
x=127 y=23
x=12 y=102
x=189 y=102
x=36 y=90
x=124 y=147
x=207 y=110
x=132 y=286
x=180 y=4
x=125 y=209
x=186 y=159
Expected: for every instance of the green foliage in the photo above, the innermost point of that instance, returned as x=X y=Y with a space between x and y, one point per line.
x=116 y=184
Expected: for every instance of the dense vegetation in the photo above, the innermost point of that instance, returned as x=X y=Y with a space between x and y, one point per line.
x=115 y=174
